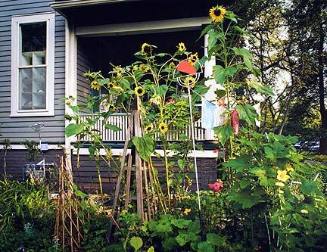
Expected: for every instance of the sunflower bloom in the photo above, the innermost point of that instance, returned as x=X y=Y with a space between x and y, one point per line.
x=163 y=127
x=135 y=67
x=144 y=68
x=95 y=85
x=111 y=85
x=118 y=70
x=156 y=100
x=181 y=47
x=189 y=81
x=148 y=128
x=139 y=91
x=193 y=58
x=187 y=211
x=217 y=14
x=282 y=176
x=146 y=48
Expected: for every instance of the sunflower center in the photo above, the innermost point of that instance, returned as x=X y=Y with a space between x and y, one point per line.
x=217 y=12
x=139 y=91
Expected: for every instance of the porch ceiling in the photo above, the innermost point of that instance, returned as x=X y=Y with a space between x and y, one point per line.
x=103 y=12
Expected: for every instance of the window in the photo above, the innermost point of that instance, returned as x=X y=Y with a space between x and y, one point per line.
x=32 y=91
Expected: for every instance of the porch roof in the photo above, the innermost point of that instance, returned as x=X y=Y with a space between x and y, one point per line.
x=64 y=4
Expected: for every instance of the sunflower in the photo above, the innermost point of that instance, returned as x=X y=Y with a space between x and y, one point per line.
x=139 y=91
x=163 y=127
x=155 y=100
x=144 y=68
x=193 y=58
x=217 y=14
x=118 y=70
x=172 y=66
x=146 y=48
x=111 y=107
x=95 y=85
x=111 y=85
x=181 y=47
x=189 y=81
x=135 y=67
x=282 y=176
x=187 y=211
x=148 y=128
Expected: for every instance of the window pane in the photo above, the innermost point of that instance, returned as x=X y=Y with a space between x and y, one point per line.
x=33 y=43
x=32 y=82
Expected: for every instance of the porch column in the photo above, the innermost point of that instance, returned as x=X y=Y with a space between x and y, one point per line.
x=70 y=79
x=208 y=71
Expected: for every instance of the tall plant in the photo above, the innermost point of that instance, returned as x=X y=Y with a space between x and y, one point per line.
x=150 y=86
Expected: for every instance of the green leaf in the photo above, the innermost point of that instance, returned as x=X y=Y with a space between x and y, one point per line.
x=151 y=249
x=181 y=223
x=194 y=227
x=144 y=146
x=136 y=242
x=238 y=164
x=73 y=129
x=181 y=163
x=169 y=243
x=182 y=239
x=260 y=88
x=261 y=174
x=224 y=133
x=205 y=247
x=124 y=83
x=216 y=240
x=212 y=39
x=247 y=113
x=161 y=90
x=309 y=187
x=245 y=198
x=112 y=127
x=206 y=30
x=220 y=93
x=219 y=74
x=246 y=55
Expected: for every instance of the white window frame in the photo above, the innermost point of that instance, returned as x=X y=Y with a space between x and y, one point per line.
x=49 y=18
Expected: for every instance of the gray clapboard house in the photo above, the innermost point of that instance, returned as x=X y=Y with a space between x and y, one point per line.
x=47 y=45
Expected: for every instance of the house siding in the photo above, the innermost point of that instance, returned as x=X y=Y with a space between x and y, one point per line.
x=86 y=176
x=18 y=129
x=83 y=65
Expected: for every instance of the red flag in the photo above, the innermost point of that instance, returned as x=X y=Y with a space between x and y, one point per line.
x=186 y=67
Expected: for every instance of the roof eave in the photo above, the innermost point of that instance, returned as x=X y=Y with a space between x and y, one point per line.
x=80 y=3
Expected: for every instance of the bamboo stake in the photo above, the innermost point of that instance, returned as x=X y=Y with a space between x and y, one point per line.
x=138 y=169
x=122 y=164
x=128 y=181
x=147 y=190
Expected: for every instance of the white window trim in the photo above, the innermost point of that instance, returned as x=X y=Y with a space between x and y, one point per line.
x=50 y=50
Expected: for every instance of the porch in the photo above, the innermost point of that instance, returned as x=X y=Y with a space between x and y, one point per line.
x=121 y=120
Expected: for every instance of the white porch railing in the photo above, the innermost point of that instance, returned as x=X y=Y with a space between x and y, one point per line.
x=121 y=120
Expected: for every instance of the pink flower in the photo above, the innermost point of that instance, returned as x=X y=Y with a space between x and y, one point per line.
x=216 y=186
x=235 y=121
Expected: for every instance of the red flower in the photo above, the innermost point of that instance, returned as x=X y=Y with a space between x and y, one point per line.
x=217 y=186
x=235 y=121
